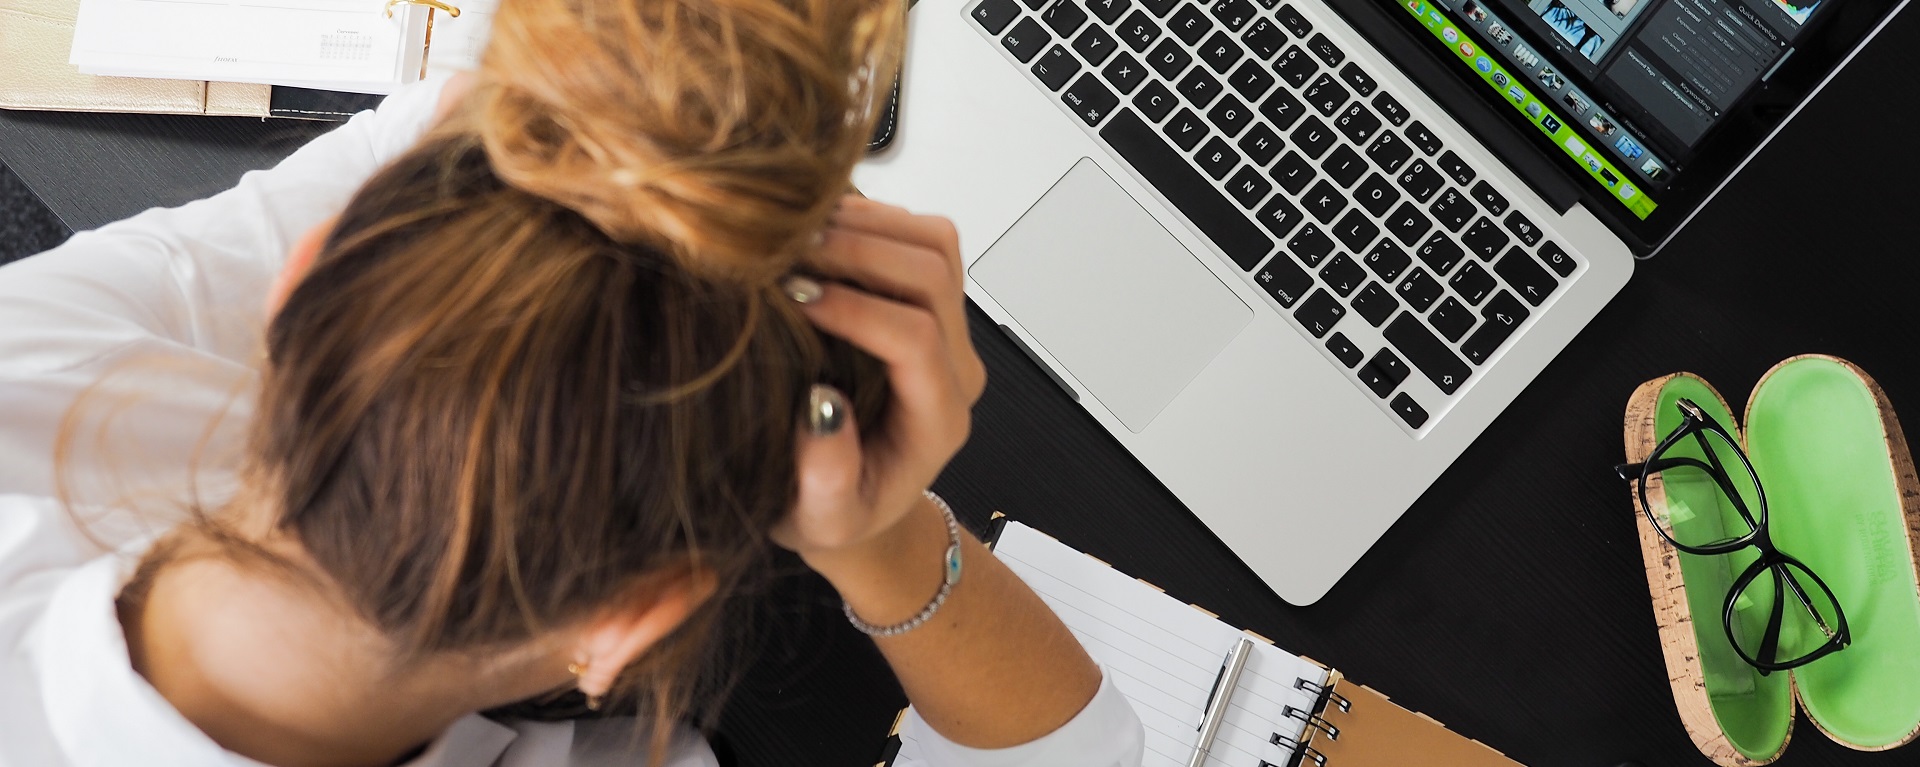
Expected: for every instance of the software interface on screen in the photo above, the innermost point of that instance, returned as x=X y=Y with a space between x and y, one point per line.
x=1627 y=88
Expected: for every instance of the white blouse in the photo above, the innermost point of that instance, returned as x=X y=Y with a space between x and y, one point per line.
x=155 y=324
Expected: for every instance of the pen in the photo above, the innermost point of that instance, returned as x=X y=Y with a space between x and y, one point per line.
x=1217 y=702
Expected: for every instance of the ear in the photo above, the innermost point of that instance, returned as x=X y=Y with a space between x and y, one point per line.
x=654 y=607
x=299 y=260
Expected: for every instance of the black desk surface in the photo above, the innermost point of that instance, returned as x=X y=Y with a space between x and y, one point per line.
x=1509 y=602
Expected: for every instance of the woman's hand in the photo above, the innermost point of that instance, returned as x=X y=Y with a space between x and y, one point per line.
x=895 y=290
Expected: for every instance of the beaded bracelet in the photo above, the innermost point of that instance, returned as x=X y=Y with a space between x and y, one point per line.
x=952 y=566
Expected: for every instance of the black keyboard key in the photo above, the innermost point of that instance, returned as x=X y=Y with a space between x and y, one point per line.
x=1326 y=94
x=1326 y=50
x=1220 y=52
x=1261 y=145
x=1185 y=130
x=1233 y=13
x=1279 y=216
x=1314 y=137
x=1453 y=210
x=1211 y=212
x=1217 y=158
x=1376 y=195
x=1355 y=230
x=1357 y=122
x=1090 y=100
x=1504 y=315
x=1391 y=108
x=1230 y=116
x=1383 y=373
x=1284 y=280
x=1452 y=318
x=1056 y=67
x=1035 y=4
x=1453 y=166
x=1159 y=7
x=1323 y=201
x=1293 y=173
x=1409 y=411
x=1311 y=246
x=1295 y=66
x=1421 y=181
x=1064 y=17
x=1344 y=350
x=1523 y=228
x=1388 y=261
x=1282 y=109
x=1138 y=30
x=1095 y=45
x=995 y=15
x=1108 y=10
x=1198 y=88
x=1420 y=290
x=1473 y=283
x=1343 y=275
x=1361 y=82
x=1557 y=259
x=1408 y=224
x=1489 y=199
x=1375 y=303
x=1155 y=101
x=1248 y=187
x=1427 y=353
x=1189 y=24
x=1344 y=166
x=1519 y=269
x=1251 y=80
x=1423 y=138
x=1026 y=40
x=1484 y=239
x=1125 y=72
x=1320 y=313
x=1293 y=20
x=1440 y=254
x=1264 y=38
x=1169 y=59
x=1389 y=152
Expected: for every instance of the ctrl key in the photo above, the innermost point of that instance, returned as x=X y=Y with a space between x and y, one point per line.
x=1409 y=411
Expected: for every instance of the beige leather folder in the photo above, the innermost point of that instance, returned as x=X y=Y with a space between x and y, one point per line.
x=35 y=39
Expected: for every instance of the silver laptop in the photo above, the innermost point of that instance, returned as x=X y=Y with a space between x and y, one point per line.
x=1296 y=254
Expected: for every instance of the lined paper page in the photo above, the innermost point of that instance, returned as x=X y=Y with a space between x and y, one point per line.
x=1163 y=655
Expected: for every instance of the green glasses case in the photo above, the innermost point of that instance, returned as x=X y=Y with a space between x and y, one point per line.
x=1842 y=497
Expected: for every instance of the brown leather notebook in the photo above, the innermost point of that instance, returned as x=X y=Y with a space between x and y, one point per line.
x=1356 y=725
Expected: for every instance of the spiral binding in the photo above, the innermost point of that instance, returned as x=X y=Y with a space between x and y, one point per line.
x=1333 y=733
x=1304 y=752
x=1336 y=698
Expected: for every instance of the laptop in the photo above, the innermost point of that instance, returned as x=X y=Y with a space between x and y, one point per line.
x=1296 y=255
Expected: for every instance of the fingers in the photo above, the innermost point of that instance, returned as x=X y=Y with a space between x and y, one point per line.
x=827 y=512
x=930 y=399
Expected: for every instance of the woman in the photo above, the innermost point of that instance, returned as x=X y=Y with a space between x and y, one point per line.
x=539 y=393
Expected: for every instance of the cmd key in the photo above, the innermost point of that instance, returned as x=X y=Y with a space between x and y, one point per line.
x=1167 y=171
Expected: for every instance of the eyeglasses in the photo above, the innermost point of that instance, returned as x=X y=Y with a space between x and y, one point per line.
x=1789 y=618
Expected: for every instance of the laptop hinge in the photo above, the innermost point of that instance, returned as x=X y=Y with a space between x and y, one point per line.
x=1435 y=75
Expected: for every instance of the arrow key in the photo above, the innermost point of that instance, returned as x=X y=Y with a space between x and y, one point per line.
x=1409 y=411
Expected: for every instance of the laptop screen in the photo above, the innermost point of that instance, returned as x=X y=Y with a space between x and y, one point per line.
x=1626 y=88
x=1649 y=106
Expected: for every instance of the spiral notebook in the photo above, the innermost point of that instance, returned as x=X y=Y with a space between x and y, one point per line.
x=1166 y=656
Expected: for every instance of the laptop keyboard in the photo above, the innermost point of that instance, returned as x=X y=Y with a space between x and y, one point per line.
x=1360 y=224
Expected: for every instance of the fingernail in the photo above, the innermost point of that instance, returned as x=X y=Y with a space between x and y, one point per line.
x=826 y=410
x=819 y=239
x=802 y=290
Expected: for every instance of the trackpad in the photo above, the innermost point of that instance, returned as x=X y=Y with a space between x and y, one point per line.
x=1111 y=294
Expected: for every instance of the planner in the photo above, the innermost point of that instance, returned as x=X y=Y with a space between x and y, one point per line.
x=1166 y=656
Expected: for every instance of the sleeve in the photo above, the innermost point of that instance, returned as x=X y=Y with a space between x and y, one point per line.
x=1107 y=733
x=169 y=304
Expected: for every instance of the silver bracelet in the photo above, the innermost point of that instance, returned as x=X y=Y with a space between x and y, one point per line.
x=952 y=566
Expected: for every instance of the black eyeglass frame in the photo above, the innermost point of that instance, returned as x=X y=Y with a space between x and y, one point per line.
x=1694 y=422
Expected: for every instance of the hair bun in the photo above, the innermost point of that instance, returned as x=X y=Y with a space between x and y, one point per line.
x=721 y=132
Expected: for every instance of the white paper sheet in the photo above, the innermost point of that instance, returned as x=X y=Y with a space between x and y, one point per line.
x=1163 y=655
